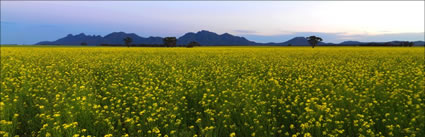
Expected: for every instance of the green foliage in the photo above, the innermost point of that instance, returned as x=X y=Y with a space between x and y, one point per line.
x=313 y=40
x=170 y=41
x=193 y=44
x=127 y=41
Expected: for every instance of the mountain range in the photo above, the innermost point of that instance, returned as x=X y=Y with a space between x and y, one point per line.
x=203 y=37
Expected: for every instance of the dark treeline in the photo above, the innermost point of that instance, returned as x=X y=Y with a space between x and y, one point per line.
x=167 y=42
x=380 y=44
x=388 y=44
x=142 y=45
x=312 y=40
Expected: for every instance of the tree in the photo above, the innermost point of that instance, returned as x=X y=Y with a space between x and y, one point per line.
x=404 y=43
x=407 y=44
x=313 y=40
x=193 y=44
x=411 y=44
x=128 y=41
x=83 y=44
x=170 y=41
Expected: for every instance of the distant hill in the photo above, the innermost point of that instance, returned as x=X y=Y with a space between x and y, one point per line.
x=415 y=43
x=350 y=43
x=113 y=38
x=419 y=43
x=203 y=37
x=117 y=38
x=297 y=41
x=210 y=38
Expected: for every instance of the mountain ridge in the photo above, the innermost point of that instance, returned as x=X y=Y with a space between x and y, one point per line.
x=203 y=37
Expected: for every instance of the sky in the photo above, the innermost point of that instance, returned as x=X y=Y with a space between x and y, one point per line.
x=29 y=22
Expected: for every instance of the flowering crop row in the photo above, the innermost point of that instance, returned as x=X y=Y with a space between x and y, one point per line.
x=212 y=91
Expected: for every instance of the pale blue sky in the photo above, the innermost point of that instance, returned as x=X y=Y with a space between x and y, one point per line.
x=28 y=22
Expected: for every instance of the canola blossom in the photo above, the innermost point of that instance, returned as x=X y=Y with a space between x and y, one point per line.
x=212 y=91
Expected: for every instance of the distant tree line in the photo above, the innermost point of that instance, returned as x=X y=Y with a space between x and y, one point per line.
x=388 y=44
x=167 y=42
x=312 y=40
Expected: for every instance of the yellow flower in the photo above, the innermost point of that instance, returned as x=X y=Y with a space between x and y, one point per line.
x=233 y=134
x=198 y=120
x=307 y=135
x=156 y=130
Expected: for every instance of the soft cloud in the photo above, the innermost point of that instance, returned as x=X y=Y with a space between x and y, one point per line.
x=244 y=31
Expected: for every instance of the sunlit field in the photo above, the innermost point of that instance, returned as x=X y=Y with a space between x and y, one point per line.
x=212 y=91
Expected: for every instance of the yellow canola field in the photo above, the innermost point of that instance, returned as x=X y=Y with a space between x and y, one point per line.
x=212 y=91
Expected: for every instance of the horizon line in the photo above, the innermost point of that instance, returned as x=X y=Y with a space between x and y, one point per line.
x=243 y=36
